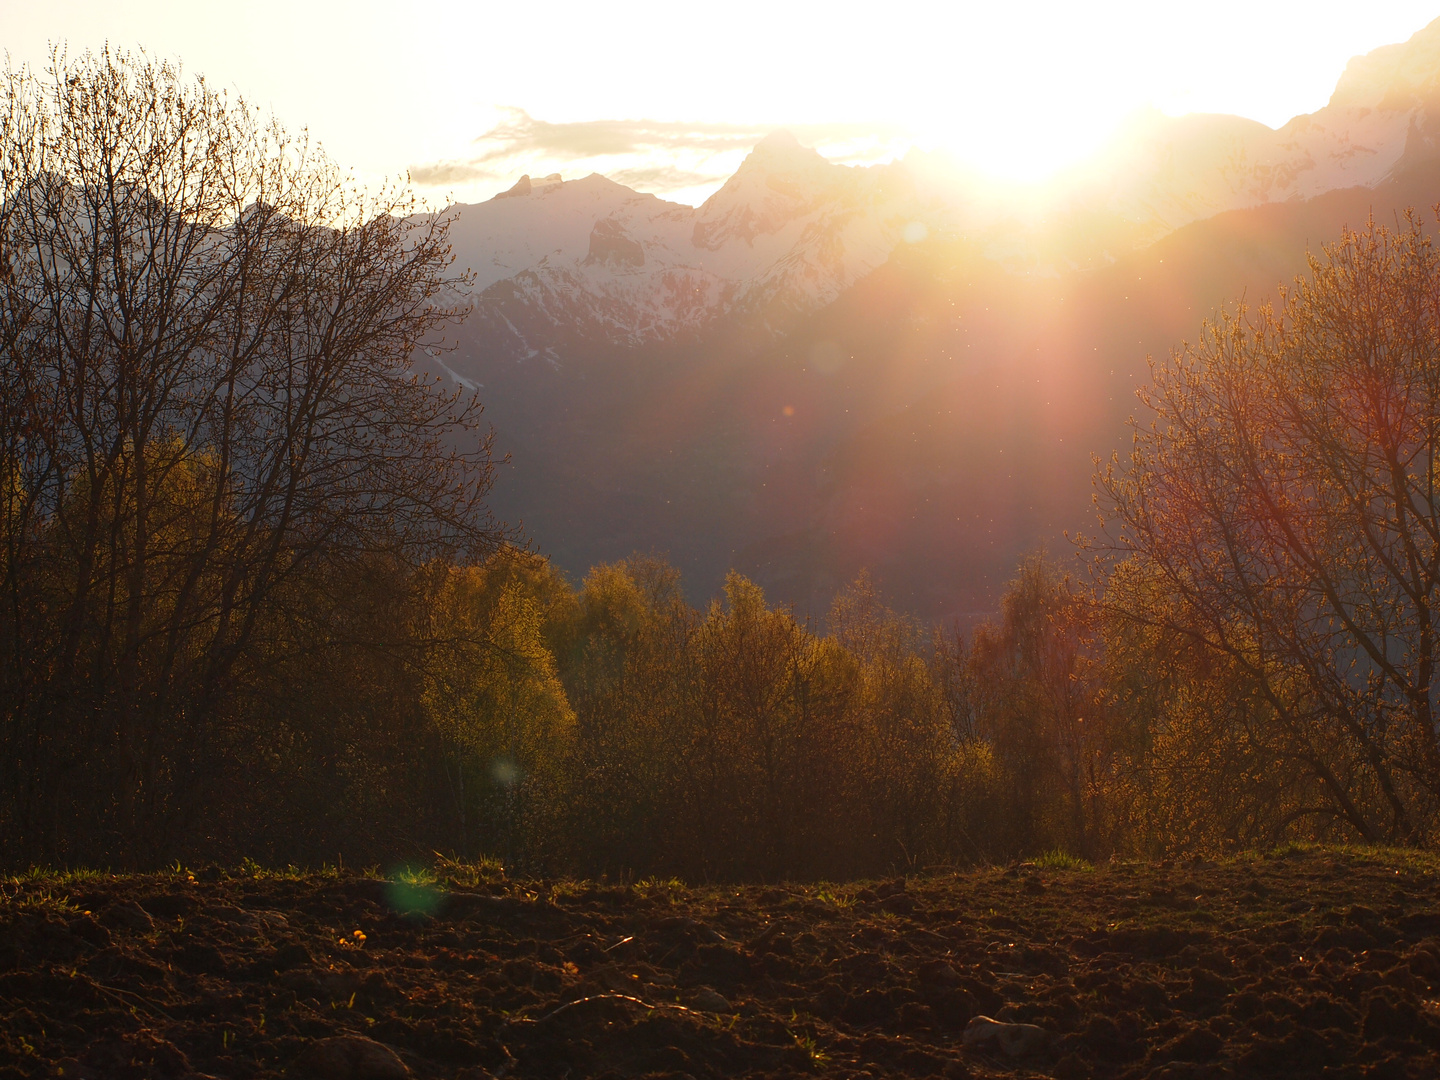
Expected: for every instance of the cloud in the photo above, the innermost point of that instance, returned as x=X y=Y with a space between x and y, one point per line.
x=520 y=133
x=662 y=156
x=449 y=172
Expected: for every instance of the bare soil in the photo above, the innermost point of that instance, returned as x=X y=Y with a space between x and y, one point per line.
x=1305 y=963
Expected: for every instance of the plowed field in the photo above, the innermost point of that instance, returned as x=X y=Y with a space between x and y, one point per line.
x=1308 y=963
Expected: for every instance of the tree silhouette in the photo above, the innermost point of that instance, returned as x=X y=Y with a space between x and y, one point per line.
x=205 y=401
x=1282 y=522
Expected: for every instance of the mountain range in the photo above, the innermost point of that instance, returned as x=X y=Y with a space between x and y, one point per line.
x=827 y=368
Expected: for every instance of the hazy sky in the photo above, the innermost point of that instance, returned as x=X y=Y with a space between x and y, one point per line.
x=669 y=96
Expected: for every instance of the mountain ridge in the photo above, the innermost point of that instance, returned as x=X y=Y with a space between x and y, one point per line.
x=807 y=400
x=562 y=265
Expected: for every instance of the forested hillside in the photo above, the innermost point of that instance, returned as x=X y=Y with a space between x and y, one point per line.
x=931 y=426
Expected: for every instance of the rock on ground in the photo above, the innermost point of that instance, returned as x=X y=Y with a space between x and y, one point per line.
x=351 y=1057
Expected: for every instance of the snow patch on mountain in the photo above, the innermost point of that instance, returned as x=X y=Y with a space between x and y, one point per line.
x=785 y=235
x=1165 y=172
x=560 y=263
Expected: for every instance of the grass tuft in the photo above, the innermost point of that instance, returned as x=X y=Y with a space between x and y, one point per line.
x=1059 y=859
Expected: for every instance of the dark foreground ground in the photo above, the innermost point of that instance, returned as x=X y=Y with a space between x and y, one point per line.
x=1308 y=963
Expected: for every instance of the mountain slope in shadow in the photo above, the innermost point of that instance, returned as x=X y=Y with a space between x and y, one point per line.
x=932 y=424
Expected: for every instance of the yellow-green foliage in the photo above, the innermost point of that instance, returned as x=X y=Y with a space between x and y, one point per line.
x=740 y=742
x=492 y=688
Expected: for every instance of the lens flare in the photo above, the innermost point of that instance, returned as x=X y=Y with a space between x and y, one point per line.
x=505 y=772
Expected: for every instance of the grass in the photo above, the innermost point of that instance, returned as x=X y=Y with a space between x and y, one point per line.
x=39 y=875
x=443 y=873
x=666 y=890
x=1059 y=859
x=469 y=874
x=818 y=1057
x=256 y=871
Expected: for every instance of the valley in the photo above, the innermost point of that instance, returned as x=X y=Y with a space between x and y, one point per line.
x=825 y=370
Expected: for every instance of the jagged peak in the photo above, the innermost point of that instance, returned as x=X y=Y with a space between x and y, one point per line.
x=520 y=187
x=780 y=151
x=776 y=163
x=525 y=185
x=1392 y=76
x=780 y=139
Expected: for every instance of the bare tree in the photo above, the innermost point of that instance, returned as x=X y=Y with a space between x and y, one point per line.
x=205 y=397
x=1281 y=515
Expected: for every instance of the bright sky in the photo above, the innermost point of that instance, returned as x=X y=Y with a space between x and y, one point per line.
x=669 y=96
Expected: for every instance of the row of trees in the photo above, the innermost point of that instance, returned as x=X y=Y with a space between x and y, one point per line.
x=209 y=432
x=1252 y=657
x=252 y=603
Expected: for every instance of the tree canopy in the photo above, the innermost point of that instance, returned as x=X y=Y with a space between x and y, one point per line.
x=208 y=423
x=1280 y=524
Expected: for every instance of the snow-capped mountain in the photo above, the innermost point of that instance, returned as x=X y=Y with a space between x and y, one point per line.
x=592 y=260
x=564 y=264
x=1163 y=173
x=777 y=382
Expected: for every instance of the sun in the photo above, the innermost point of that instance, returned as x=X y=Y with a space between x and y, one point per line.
x=1027 y=153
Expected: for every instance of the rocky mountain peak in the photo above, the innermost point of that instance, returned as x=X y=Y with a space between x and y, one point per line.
x=524 y=186
x=779 y=154
x=1394 y=77
x=778 y=182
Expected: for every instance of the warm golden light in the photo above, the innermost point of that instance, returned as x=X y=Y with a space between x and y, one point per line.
x=669 y=97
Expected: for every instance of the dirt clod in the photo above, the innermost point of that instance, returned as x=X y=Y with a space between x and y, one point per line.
x=709 y=1001
x=1017 y=1040
x=351 y=1057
